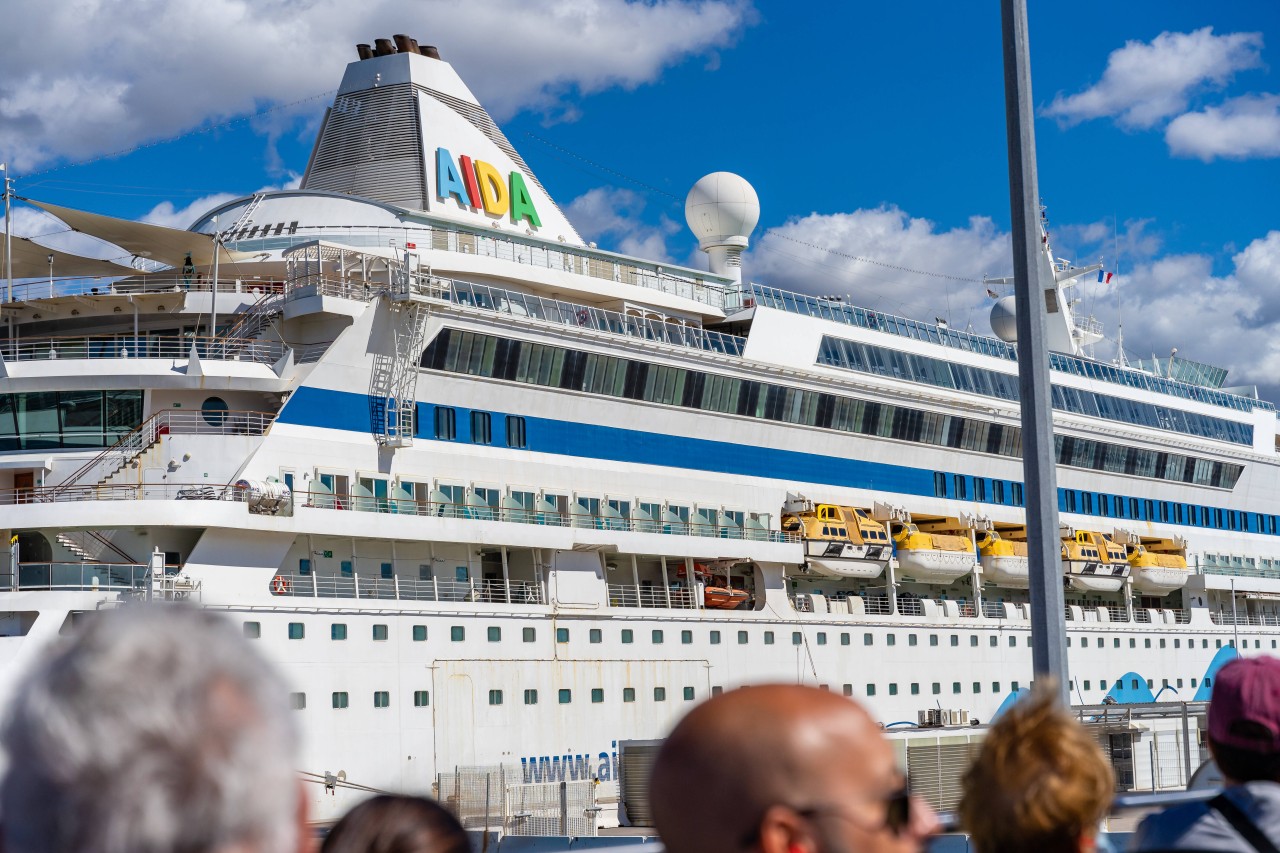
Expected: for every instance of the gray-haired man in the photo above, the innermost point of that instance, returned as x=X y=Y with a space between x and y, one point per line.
x=153 y=730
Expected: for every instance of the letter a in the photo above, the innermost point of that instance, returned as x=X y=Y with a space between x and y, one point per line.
x=448 y=179
x=521 y=204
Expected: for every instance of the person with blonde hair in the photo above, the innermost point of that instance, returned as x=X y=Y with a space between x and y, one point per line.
x=1040 y=782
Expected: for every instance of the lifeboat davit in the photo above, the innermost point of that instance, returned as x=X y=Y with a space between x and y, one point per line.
x=932 y=557
x=840 y=541
x=1004 y=561
x=1092 y=562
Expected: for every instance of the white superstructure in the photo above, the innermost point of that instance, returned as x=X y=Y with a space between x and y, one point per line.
x=489 y=495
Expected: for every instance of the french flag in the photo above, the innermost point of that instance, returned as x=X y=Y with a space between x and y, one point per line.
x=1104 y=277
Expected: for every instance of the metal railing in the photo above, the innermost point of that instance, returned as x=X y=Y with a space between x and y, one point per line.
x=582 y=520
x=1237 y=571
x=141 y=346
x=396 y=588
x=76 y=576
x=750 y=295
x=994 y=610
x=630 y=595
x=1117 y=613
x=150 y=431
x=678 y=281
x=123 y=492
x=1226 y=617
x=167 y=281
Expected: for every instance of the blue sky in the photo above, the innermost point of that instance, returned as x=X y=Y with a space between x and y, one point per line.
x=868 y=129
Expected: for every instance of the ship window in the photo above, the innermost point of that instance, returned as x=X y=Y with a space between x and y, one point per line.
x=382 y=699
x=446 y=423
x=715 y=638
x=686 y=637
x=595 y=635
x=998 y=488
x=347 y=567
x=421 y=699
x=562 y=635
x=937 y=688
x=420 y=633
x=304 y=567
x=1133 y=643
x=939 y=485
x=955 y=639
x=657 y=636
x=628 y=635
x=380 y=632
x=994 y=640
x=1204 y=643
x=253 y=630
x=1013 y=641
x=1162 y=642
x=1193 y=682
x=893 y=689
x=1017 y=493
x=742 y=638
x=597 y=695
x=868 y=639
x=531 y=697
x=890 y=639
x=529 y=635
x=565 y=696
x=822 y=638
x=933 y=639
x=1014 y=687
x=688 y=694
x=298 y=701
x=844 y=638
x=659 y=694
x=296 y=631
x=457 y=633
x=338 y=631
x=628 y=694
x=796 y=638
x=495 y=634
x=768 y=638
x=1115 y=642
x=995 y=687
x=961 y=487
x=340 y=699
x=481 y=428
x=915 y=688
x=911 y=639
x=973 y=639
x=495 y=697
x=516 y=434
x=955 y=687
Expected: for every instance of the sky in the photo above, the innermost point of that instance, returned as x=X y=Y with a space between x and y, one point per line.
x=873 y=133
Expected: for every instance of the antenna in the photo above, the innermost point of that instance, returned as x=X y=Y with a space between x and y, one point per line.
x=1115 y=243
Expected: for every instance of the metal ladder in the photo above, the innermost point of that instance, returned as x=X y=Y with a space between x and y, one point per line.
x=398 y=385
x=245 y=216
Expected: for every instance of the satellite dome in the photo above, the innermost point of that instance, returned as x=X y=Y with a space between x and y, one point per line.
x=722 y=209
x=1004 y=321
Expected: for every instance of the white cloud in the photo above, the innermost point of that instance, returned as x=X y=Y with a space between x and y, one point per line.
x=1145 y=83
x=816 y=254
x=612 y=216
x=83 y=79
x=1238 y=129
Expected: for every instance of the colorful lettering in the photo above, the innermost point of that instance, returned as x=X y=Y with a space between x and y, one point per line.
x=469 y=177
x=448 y=180
x=521 y=204
x=493 y=190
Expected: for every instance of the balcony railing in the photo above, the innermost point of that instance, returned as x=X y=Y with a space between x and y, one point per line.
x=630 y=595
x=141 y=346
x=396 y=588
x=573 y=518
x=94 y=577
x=124 y=492
x=168 y=281
x=1226 y=617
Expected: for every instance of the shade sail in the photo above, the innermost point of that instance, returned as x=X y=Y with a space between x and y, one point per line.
x=31 y=260
x=166 y=245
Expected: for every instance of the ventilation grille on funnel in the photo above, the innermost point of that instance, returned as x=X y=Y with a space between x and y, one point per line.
x=370 y=146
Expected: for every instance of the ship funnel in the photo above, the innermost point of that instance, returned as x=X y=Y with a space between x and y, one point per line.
x=365 y=51
x=383 y=47
x=404 y=44
x=722 y=209
x=430 y=50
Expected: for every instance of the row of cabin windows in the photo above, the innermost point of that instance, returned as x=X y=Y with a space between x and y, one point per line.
x=564 y=695
x=912 y=367
x=341 y=699
x=458 y=634
x=958 y=687
x=446 y=427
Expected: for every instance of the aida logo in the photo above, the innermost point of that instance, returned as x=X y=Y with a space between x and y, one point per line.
x=478 y=185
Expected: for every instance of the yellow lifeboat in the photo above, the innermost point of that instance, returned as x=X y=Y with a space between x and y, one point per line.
x=932 y=557
x=840 y=541
x=1158 y=566
x=1004 y=561
x=1091 y=561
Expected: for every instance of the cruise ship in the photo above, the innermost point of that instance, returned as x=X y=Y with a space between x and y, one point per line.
x=491 y=496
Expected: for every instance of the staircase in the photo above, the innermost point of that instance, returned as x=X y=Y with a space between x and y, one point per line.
x=253 y=321
x=92 y=545
x=394 y=382
x=103 y=466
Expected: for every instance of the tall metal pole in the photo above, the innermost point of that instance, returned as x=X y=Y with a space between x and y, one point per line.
x=8 y=233
x=1030 y=275
x=213 y=301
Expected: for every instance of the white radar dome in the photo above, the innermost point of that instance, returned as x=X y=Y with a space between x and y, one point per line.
x=722 y=209
x=1003 y=320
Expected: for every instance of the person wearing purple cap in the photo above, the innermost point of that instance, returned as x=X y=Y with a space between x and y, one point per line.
x=1244 y=740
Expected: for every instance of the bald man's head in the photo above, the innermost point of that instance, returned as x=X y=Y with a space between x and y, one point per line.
x=743 y=761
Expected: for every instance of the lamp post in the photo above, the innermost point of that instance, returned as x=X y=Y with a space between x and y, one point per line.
x=51 y=275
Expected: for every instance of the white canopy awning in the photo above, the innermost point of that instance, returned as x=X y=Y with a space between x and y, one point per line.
x=166 y=245
x=31 y=260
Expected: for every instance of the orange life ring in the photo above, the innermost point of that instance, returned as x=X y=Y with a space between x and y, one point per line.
x=280 y=585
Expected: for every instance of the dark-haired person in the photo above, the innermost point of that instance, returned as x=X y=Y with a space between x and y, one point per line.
x=1244 y=739
x=1040 y=782
x=396 y=824
x=783 y=769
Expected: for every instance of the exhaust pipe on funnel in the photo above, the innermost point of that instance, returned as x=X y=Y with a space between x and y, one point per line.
x=365 y=51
